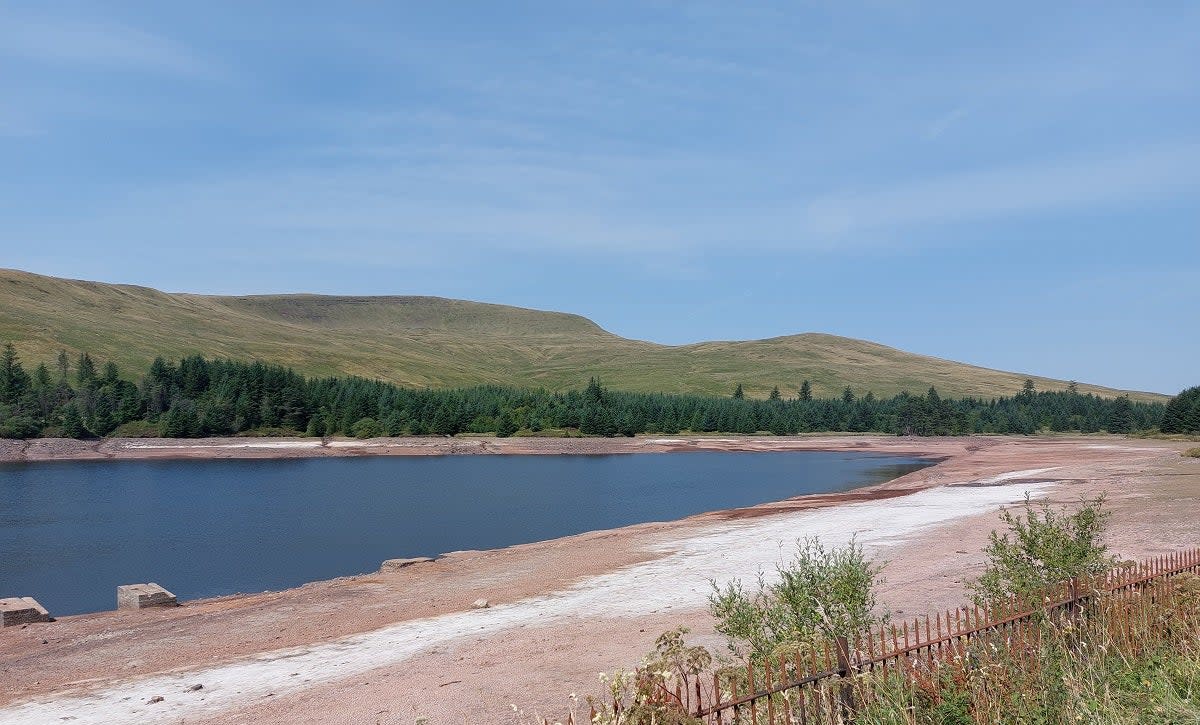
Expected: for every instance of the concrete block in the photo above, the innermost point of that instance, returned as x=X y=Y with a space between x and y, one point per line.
x=141 y=596
x=398 y=564
x=21 y=610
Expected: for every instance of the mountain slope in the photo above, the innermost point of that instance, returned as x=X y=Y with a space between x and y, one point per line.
x=430 y=341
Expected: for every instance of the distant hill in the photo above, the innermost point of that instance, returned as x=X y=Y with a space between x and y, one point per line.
x=436 y=342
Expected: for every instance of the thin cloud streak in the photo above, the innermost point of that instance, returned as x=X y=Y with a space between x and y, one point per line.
x=1162 y=172
x=93 y=45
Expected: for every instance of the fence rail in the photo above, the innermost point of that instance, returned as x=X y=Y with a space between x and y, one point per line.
x=817 y=686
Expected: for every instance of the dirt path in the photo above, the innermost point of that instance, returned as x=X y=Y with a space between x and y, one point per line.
x=398 y=646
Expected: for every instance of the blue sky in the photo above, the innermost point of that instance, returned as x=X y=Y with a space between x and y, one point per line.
x=1015 y=185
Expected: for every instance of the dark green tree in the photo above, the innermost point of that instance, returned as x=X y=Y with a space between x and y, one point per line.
x=505 y=426
x=738 y=393
x=1182 y=414
x=805 y=391
x=1120 y=416
x=72 y=422
x=14 y=381
x=85 y=370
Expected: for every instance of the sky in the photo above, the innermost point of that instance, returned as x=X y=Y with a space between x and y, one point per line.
x=1015 y=185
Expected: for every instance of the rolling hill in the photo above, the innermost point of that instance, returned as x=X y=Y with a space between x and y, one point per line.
x=436 y=342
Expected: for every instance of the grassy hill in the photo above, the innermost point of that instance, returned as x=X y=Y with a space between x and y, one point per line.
x=435 y=342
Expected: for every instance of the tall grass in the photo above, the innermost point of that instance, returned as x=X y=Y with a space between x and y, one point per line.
x=1123 y=659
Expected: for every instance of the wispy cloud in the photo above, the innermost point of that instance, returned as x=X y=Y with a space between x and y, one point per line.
x=944 y=122
x=103 y=45
x=1130 y=177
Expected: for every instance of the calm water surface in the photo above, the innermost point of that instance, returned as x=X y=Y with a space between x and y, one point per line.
x=71 y=532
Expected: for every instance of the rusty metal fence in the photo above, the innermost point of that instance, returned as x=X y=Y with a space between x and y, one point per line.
x=821 y=686
x=825 y=686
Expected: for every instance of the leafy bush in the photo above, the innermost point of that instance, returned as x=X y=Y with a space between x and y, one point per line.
x=1042 y=548
x=19 y=427
x=820 y=594
x=1192 y=453
x=365 y=428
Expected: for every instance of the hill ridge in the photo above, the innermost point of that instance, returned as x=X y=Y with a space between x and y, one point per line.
x=432 y=341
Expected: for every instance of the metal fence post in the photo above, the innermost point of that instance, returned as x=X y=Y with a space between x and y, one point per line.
x=845 y=670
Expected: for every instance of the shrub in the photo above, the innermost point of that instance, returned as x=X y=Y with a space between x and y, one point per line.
x=1042 y=548
x=646 y=696
x=365 y=428
x=820 y=594
x=19 y=427
x=1192 y=453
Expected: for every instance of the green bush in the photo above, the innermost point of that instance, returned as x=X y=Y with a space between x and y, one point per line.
x=1042 y=548
x=365 y=428
x=819 y=595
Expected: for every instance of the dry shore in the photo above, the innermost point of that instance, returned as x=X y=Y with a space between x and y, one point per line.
x=392 y=647
x=66 y=449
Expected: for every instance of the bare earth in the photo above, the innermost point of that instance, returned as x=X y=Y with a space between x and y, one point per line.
x=395 y=647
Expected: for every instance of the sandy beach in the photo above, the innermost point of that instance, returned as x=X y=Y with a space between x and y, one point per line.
x=394 y=647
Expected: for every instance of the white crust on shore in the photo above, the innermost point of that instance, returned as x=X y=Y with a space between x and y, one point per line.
x=676 y=579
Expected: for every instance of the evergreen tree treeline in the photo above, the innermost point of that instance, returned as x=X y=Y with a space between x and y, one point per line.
x=197 y=396
x=1182 y=414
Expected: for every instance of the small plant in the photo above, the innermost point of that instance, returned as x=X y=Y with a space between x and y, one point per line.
x=1042 y=548
x=820 y=594
x=1192 y=453
x=647 y=696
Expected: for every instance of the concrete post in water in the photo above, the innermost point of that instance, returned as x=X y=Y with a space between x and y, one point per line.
x=16 y=611
x=141 y=596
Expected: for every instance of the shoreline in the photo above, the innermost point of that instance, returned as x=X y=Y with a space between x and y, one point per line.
x=563 y=609
x=38 y=450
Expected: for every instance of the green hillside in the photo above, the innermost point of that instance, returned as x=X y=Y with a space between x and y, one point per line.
x=435 y=342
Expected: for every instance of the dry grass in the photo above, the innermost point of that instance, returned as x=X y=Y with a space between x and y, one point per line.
x=427 y=341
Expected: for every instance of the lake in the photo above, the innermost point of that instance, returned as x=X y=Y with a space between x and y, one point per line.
x=70 y=532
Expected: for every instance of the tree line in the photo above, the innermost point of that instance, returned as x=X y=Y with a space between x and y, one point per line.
x=196 y=396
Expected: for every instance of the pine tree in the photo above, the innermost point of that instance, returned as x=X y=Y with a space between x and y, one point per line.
x=72 y=422
x=805 y=391
x=505 y=426
x=14 y=381
x=738 y=393
x=774 y=393
x=1120 y=418
x=594 y=394
x=85 y=371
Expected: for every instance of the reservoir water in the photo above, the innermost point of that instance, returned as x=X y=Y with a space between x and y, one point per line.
x=71 y=532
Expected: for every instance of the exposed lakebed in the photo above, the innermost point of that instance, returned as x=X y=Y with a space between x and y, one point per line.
x=70 y=532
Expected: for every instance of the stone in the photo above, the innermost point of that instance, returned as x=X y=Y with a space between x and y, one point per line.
x=398 y=564
x=21 y=610
x=480 y=604
x=141 y=596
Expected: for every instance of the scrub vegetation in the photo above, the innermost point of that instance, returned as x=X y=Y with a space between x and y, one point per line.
x=1115 y=659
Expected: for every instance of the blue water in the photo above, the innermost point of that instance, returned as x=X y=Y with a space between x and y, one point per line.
x=71 y=532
